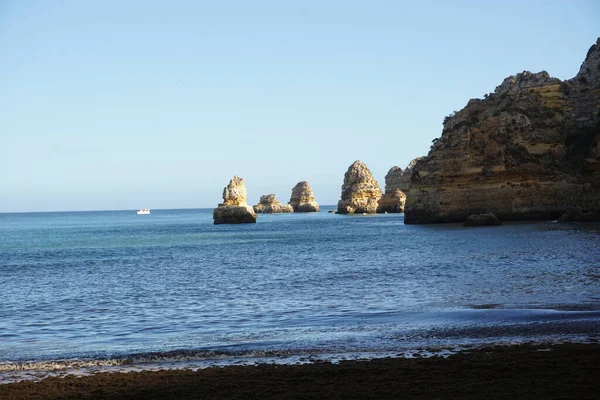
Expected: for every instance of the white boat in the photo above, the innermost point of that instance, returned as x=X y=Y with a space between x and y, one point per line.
x=143 y=211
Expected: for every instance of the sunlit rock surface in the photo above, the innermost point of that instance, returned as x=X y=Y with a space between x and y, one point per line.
x=360 y=191
x=397 y=184
x=302 y=198
x=234 y=209
x=528 y=151
x=269 y=204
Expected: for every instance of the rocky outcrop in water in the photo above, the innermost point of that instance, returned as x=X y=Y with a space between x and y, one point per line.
x=488 y=219
x=580 y=216
x=269 y=204
x=392 y=201
x=234 y=209
x=360 y=191
x=529 y=150
x=397 y=184
x=302 y=198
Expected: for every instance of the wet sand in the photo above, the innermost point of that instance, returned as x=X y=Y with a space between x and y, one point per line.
x=566 y=371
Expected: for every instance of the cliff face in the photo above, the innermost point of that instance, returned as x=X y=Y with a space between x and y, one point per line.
x=270 y=205
x=397 y=183
x=360 y=191
x=302 y=198
x=530 y=150
x=234 y=209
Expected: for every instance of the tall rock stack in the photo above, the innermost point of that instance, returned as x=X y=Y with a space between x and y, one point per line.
x=529 y=150
x=397 y=184
x=270 y=205
x=360 y=191
x=302 y=198
x=234 y=209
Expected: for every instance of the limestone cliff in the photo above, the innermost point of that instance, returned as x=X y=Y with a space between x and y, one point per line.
x=360 y=191
x=269 y=204
x=302 y=198
x=529 y=150
x=397 y=183
x=234 y=209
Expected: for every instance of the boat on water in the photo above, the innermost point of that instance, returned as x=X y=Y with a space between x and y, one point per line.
x=143 y=211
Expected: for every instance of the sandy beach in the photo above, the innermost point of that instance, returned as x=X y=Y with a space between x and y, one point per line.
x=565 y=371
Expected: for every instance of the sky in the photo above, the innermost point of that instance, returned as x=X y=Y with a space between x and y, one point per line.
x=113 y=105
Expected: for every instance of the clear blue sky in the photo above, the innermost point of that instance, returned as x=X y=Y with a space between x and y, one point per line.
x=129 y=104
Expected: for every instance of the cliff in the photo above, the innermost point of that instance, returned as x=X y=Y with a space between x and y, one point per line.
x=397 y=184
x=269 y=204
x=234 y=209
x=360 y=191
x=302 y=198
x=529 y=150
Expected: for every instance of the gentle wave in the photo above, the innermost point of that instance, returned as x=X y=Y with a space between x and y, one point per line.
x=194 y=360
x=523 y=326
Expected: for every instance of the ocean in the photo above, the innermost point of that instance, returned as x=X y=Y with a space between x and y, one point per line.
x=89 y=291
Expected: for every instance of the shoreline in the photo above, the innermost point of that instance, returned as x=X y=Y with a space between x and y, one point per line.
x=429 y=335
x=567 y=370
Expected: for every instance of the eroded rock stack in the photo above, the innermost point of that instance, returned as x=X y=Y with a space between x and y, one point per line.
x=234 y=209
x=360 y=191
x=529 y=150
x=302 y=198
x=269 y=204
x=397 y=184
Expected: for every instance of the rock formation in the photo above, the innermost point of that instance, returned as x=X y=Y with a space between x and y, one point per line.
x=270 y=205
x=397 y=184
x=234 y=209
x=302 y=199
x=488 y=219
x=392 y=201
x=360 y=191
x=529 y=150
x=580 y=216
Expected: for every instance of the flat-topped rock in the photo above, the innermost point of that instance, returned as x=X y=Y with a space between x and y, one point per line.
x=269 y=204
x=360 y=191
x=234 y=209
x=302 y=198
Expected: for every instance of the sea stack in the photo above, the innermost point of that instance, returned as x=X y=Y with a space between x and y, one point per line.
x=270 y=205
x=528 y=151
x=302 y=198
x=360 y=191
x=397 y=184
x=234 y=209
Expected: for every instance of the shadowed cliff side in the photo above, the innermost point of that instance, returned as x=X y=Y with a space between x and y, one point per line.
x=528 y=151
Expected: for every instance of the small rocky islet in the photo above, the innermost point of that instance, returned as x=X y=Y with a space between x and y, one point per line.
x=397 y=184
x=360 y=191
x=528 y=151
x=302 y=198
x=234 y=209
x=269 y=204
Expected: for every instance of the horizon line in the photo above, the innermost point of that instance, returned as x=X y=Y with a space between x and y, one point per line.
x=124 y=209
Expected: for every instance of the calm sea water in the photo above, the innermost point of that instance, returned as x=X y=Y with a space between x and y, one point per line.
x=110 y=285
